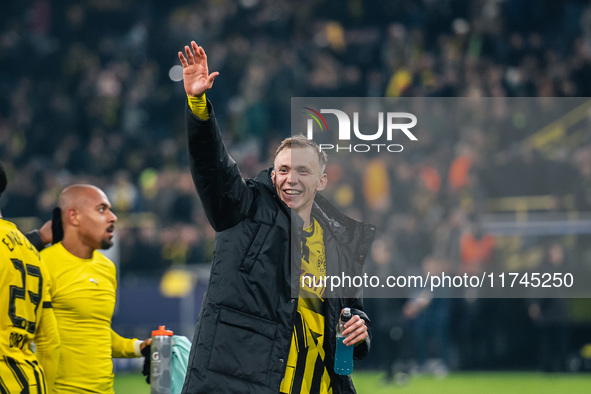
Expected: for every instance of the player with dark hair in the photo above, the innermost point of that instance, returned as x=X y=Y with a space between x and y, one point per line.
x=254 y=335
x=83 y=289
x=26 y=314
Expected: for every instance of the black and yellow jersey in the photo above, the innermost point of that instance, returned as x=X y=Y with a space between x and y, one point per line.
x=25 y=316
x=306 y=370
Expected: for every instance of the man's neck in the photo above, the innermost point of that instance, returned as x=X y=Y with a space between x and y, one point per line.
x=307 y=222
x=306 y=217
x=77 y=249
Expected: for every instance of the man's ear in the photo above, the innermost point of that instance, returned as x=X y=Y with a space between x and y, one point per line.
x=322 y=183
x=71 y=217
x=273 y=177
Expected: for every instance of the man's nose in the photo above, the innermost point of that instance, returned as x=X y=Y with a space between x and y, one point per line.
x=292 y=177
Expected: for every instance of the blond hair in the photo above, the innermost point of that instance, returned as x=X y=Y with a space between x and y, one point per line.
x=301 y=141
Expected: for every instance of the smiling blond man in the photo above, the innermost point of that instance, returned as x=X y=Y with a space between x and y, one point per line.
x=254 y=335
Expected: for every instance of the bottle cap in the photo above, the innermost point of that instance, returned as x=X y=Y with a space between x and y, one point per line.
x=162 y=331
x=346 y=314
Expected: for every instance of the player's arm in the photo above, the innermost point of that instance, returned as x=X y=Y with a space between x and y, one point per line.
x=40 y=238
x=125 y=347
x=225 y=195
x=47 y=340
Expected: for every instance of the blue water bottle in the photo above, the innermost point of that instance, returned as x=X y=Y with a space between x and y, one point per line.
x=343 y=358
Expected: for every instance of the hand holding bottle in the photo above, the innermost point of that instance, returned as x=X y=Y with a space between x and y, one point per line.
x=355 y=330
x=350 y=330
x=343 y=357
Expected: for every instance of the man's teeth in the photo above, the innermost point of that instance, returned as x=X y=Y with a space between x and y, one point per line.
x=292 y=192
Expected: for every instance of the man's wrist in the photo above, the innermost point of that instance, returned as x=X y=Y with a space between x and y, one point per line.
x=136 y=348
x=198 y=106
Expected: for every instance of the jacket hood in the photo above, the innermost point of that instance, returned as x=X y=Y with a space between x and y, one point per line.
x=264 y=177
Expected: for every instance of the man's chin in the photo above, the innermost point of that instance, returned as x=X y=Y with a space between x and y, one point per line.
x=106 y=244
x=287 y=202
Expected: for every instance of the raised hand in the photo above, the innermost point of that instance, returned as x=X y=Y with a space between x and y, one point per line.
x=196 y=77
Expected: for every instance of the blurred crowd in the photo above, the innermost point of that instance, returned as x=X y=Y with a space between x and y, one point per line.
x=91 y=93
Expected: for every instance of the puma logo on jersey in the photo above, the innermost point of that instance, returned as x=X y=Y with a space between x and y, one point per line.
x=93 y=281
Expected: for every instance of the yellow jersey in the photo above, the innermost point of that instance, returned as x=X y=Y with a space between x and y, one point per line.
x=305 y=371
x=83 y=296
x=25 y=316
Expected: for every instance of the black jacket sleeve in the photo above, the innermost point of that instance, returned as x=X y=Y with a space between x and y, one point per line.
x=226 y=197
x=362 y=349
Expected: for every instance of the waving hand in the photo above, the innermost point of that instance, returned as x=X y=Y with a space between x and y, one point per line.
x=196 y=77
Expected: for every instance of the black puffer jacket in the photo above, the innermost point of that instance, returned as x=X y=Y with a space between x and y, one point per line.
x=245 y=326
